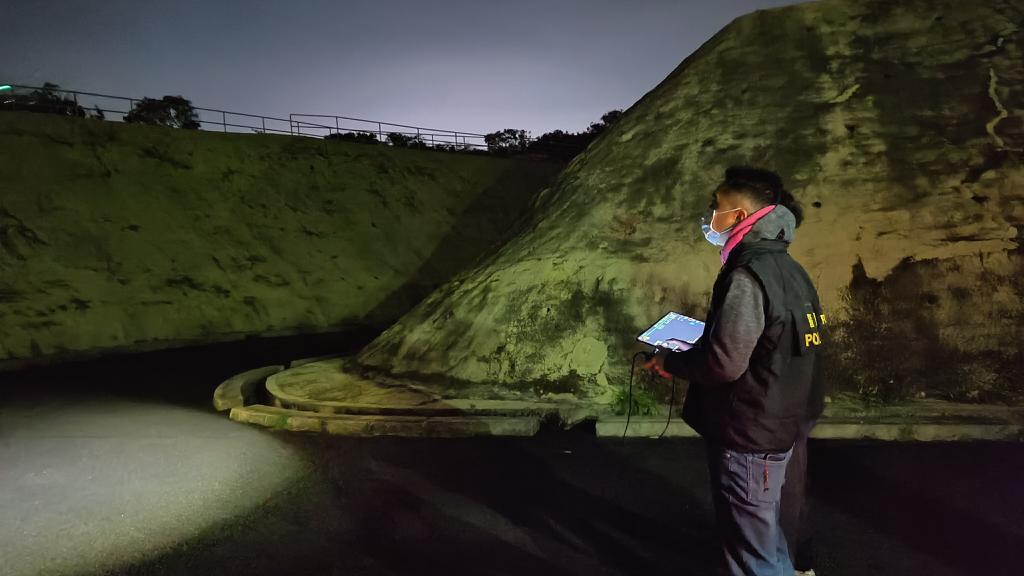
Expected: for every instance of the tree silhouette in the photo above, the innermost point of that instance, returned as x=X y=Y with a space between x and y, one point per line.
x=555 y=144
x=607 y=120
x=507 y=141
x=406 y=141
x=47 y=100
x=169 y=111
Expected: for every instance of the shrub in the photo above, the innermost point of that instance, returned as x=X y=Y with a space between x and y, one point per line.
x=607 y=120
x=360 y=137
x=507 y=141
x=643 y=401
x=406 y=141
x=169 y=111
x=397 y=139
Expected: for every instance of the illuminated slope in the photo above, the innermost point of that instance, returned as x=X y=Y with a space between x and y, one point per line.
x=897 y=124
x=131 y=237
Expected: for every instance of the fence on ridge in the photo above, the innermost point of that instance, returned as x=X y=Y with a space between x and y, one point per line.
x=113 y=108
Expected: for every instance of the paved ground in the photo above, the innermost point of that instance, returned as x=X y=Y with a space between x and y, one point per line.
x=574 y=505
x=184 y=491
x=96 y=483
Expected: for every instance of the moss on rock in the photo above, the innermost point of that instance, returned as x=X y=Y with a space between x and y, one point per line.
x=898 y=125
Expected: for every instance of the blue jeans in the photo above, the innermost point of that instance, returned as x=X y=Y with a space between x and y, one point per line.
x=746 y=490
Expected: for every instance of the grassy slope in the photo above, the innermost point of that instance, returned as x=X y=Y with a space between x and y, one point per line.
x=122 y=236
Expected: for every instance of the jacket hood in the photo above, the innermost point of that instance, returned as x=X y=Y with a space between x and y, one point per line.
x=779 y=224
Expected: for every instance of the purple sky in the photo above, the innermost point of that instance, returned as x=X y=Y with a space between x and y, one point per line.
x=473 y=65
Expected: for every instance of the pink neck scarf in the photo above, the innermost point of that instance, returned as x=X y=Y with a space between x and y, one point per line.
x=741 y=230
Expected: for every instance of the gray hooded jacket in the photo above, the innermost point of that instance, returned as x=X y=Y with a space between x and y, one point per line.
x=742 y=314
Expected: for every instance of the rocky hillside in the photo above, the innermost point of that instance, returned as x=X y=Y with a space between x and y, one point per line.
x=130 y=237
x=898 y=124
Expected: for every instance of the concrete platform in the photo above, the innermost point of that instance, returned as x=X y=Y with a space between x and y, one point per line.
x=325 y=387
x=319 y=395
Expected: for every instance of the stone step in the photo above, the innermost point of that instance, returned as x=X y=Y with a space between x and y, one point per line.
x=386 y=425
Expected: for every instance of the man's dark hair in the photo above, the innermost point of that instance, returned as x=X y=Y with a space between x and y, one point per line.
x=763 y=187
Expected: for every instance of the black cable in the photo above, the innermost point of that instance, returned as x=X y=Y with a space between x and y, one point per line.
x=629 y=393
x=671 y=401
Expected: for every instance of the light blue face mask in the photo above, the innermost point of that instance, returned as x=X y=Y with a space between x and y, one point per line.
x=713 y=236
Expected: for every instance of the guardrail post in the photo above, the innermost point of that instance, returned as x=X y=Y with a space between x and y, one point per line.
x=380 y=133
x=263 y=120
x=224 y=120
x=336 y=127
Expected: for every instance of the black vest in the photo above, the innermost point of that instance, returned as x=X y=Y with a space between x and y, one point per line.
x=783 y=386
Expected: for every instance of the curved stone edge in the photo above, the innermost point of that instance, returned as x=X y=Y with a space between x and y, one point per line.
x=303 y=361
x=648 y=427
x=235 y=391
x=449 y=408
x=572 y=412
x=386 y=425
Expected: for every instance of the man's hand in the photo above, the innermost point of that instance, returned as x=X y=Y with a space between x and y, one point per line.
x=657 y=363
x=680 y=345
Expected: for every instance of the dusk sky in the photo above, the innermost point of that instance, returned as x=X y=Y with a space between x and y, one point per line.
x=471 y=65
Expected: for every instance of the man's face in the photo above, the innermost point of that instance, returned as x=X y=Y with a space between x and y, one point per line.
x=728 y=210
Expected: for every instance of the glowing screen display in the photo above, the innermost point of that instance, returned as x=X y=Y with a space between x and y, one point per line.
x=672 y=326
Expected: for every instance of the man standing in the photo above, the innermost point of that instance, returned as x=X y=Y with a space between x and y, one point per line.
x=755 y=374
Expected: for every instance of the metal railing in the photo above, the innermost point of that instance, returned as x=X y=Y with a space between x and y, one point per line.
x=382 y=130
x=209 y=118
x=213 y=119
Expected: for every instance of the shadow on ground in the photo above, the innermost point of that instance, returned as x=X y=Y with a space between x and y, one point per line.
x=564 y=504
x=573 y=504
x=957 y=504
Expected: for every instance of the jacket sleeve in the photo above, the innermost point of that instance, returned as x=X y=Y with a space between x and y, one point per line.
x=723 y=355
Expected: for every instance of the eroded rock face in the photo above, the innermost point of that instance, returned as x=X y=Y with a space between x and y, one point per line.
x=898 y=125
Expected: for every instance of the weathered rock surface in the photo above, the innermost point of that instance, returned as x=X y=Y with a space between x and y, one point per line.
x=898 y=124
x=132 y=237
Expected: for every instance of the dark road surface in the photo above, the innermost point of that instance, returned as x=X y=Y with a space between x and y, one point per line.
x=573 y=505
x=240 y=500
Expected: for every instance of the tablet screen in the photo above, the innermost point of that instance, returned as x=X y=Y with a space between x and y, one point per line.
x=672 y=326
